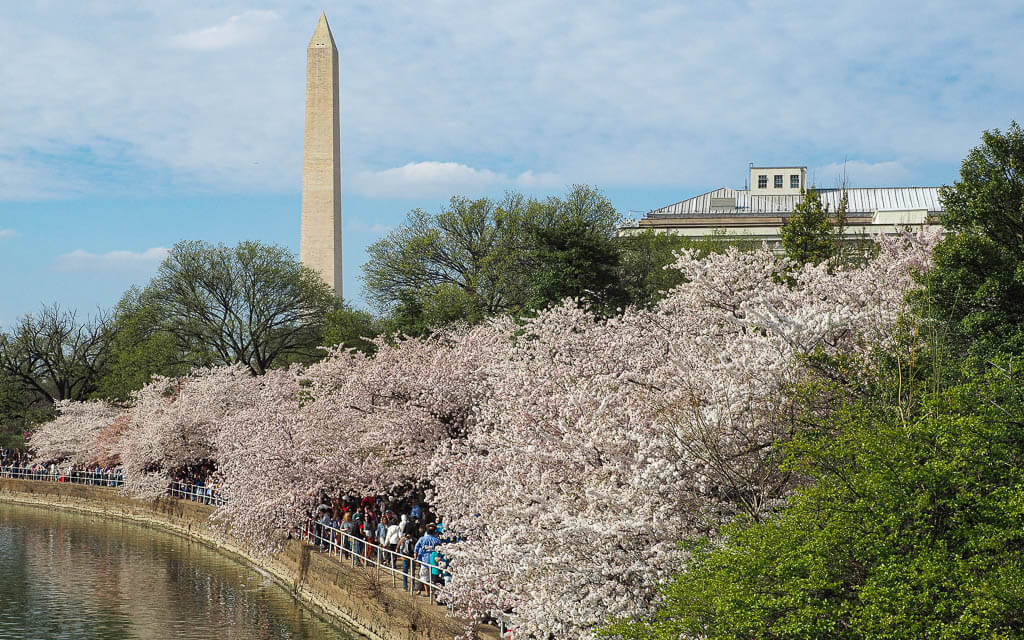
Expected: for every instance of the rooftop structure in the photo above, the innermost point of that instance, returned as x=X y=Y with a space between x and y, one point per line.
x=777 y=181
x=760 y=211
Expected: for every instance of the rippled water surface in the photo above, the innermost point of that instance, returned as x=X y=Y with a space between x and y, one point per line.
x=73 y=577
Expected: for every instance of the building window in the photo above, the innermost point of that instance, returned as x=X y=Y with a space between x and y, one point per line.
x=778 y=181
x=762 y=182
x=794 y=181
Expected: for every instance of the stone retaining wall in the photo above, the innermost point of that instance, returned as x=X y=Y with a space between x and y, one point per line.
x=355 y=597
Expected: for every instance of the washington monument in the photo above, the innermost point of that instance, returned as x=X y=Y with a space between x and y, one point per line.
x=320 y=240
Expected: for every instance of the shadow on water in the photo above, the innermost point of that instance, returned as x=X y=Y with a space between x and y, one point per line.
x=76 y=577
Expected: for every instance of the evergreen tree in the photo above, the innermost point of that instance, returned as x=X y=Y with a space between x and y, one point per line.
x=807 y=235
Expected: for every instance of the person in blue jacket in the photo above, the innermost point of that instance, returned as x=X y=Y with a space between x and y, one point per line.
x=424 y=546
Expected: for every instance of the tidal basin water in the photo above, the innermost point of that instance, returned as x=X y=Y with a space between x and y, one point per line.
x=72 y=577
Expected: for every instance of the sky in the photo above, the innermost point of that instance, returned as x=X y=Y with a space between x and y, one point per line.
x=127 y=126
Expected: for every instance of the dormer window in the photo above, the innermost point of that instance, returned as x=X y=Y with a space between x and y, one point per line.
x=794 y=181
x=762 y=181
x=778 y=181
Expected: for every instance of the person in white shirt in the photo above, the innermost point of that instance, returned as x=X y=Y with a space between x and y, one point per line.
x=394 y=534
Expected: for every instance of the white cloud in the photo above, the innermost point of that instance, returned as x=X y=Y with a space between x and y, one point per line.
x=531 y=180
x=8 y=233
x=433 y=178
x=430 y=178
x=82 y=260
x=359 y=226
x=32 y=178
x=244 y=28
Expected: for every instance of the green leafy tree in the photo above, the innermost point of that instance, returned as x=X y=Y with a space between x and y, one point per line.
x=807 y=235
x=19 y=412
x=49 y=355
x=477 y=258
x=977 y=283
x=642 y=261
x=140 y=347
x=438 y=267
x=251 y=304
x=910 y=527
x=576 y=261
x=351 y=328
x=575 y=252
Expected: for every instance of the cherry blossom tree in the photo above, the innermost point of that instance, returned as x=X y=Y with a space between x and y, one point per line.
x=388 y=414
x=72 y=435
x=107 y=446
x=351 y=422
x=174 y=422
x=604 y=444
x=269 y=463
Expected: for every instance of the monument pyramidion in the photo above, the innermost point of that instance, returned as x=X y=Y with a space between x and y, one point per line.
x=320 y=239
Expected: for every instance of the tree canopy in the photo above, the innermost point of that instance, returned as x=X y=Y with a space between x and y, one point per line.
x=478 y=258
x=807 y=235
x=53 y=355
x=19 y=412
x=574 y=252
x=252 y=304
x=140 y=347
x=977 y=285
x=457 y=263
x=352 y=328
x=48 y=356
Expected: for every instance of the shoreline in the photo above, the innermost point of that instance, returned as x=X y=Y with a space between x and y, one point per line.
x=358 y=601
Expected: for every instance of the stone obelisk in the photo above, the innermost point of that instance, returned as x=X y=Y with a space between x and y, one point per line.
x=320 y=241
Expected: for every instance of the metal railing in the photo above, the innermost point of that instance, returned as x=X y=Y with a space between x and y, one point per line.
x=99 y=478
x=196 y=493
x=108 y=478
x=337 y=542
x=416 y=575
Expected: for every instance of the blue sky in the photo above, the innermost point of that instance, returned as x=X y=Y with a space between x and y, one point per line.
x=126 y=126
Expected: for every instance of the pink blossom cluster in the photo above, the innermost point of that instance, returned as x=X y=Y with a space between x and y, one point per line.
x=602 y=444
x=173 y=423
x=571 y=454
x=351 y=422
x=74 y=435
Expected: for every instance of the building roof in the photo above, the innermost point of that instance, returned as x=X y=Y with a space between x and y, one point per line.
x=862 y=202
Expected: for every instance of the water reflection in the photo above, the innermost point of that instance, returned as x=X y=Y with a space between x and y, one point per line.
x=74 y=577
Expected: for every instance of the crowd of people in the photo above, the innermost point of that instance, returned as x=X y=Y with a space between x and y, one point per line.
x=10 y=458
x=384 y=532
x=388 y=531
x=18 y=464
x=196 y=483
